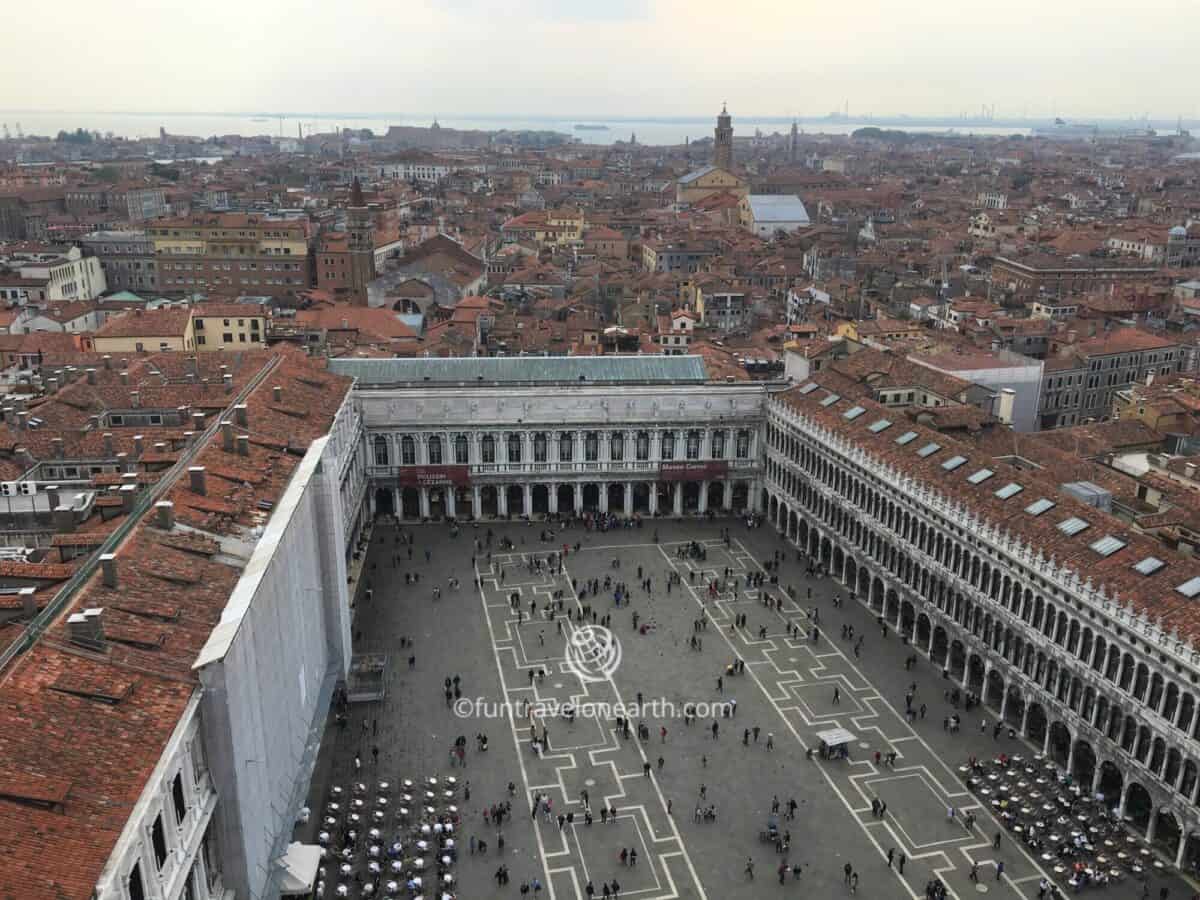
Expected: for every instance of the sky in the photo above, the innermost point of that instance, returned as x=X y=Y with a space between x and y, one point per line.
x=606 y=57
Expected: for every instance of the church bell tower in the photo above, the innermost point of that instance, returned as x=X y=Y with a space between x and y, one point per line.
x=723 y=141
x=361 y=244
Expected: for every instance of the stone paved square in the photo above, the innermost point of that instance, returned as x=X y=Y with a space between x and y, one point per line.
x=786 y=692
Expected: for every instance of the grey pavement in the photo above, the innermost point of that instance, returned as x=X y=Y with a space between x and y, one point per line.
x=787 y=691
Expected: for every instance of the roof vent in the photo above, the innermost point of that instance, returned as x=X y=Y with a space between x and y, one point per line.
x=107 y=361
x=277 y=394
x=228 y=381
x=124 y=376
x=28 y=601
x=243 y=445
x=91 y=376
x=240 y=415
x=108 y=443
x=87 y=628
x=227 y=436
x=139 y=446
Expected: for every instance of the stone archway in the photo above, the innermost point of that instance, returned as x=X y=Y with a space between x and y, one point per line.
x=924 y=628
x=958 y=660
x=410 y=503
x=993 y=694
x=515 y=496
x=891 y=607
x=1014 y=709
x=691 y=496
x=541 y=499
x=908 y=619
x=616 y=497
x=1084 y=764
x=591 y=497
x=1059 y=749
x=437 y=503
x=1138 y=806
x=1036 y=724
x=489 y=503
x=1112 y=784
x=464 y=503
x=773 y=509
x=566 y=498
x=939 y=647
x=385 y=505
x=1167 y=833
x=641 y=498
x=975 y=673
x=716 y=496
x=740 y=498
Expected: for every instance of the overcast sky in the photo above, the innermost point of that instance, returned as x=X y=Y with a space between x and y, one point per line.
x=605 y=57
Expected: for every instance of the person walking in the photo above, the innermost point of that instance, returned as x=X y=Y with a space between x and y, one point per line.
x=891 y=855
x=854 y=883
x=999 y=869
x=901 y=861
x=846 y=870
x=996 y=841
x=749 y=868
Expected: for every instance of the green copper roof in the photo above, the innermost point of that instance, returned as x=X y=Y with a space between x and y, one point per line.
x=524 y=369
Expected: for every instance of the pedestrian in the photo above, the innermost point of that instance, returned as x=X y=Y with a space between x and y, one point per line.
x=633 y=856
x=357 y=763
x=661 y=763
x=770 y=740
x=999 y=869
x=837 y=696
x=996 y=841
x=375 y=755
x=472 y=842
x=846 y=870
x=974 y=873
x=749 y=868
x=755 y=730
x=854 y=883
x=624 y=856
x=891 y=855
x=901 y=861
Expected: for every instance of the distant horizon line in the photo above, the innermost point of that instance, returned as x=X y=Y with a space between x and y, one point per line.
x=832 y=116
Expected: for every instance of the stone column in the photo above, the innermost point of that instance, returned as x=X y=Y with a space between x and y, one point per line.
x=1071 y=757
x=1004 y=704
x=966 y=662
x=424 y=492
x=502 y=499
x=578 y=497
x=929 y=648
x=727 y=496
x=703 y=508
x=1025 y=719
x=706 y=437
x=1046 y=742
x=678 y=499
x=604 y=496
x=1183 y=839
x=552 y=498
x=654 y=498
x=528 y=499
x=1096 y=776
x=451 y=505
x=476 y=502
x=397 y=496
x=629 y=498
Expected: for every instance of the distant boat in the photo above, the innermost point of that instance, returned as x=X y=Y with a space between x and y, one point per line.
x=259 y=119
x=591 y=128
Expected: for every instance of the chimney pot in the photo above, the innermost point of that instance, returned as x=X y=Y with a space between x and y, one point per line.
x=228 y=379
x=108 y=443
x=166 y=514
x=28 y=602
x=227 y=436
x=91 y=376
x=243 y=445
x=135 y=399
x=51 y=385
x=52 y=491
x=22 y=420
x=199 y=482
x=124 y=376
x=64 y=519
x=60 y=451
x=138 y=446
x=128 y=494
x=108 y=563
x=188 y=438
x=107 y=361
x=277 y=393
x=197 y=421
x=241 y=416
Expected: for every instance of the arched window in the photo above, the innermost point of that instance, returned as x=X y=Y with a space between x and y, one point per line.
x=435 y=450
x=616 y=446
x=643 y=445
x=462 y=451
x=668 y=445
x=381 y=450
x=539 y=447
x=566 y=446
x=408 y=451
x=488 y=448
x=514 y=448
x=743 y=444
x=693 y=445
x=591 y=446
x=718 y=445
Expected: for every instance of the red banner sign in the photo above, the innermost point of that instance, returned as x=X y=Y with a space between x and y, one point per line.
x=693 y=471
x=435 y=476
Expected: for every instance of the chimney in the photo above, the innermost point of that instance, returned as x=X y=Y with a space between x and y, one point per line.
x=91 y=376
x=52 y=494
x=64 y=519
x=188 y=438
x=160 y=446
x=1189 y=470
x=190 y=378
x=51 y=385
x=28 y=602
x=1004 y=405
x=108 y=563
x=93 y=422
x=72 y=375
x=10 y=415
x=228 y=379
x=108 y=444
x=22 y=420
x=107 y=361
x=199 y=482
x=227 y=436
x=135 y=399
x=240 y=415
x=166 y=514
x=243 y=445
x=124 y=376
x=87 y=628
x=128 y=494
x=122 y=459
x=192 y=368
x=25 y=457
x=277 y=394
x=138 y=446
x=124 y=364
x=1149 y=379
x=197 y=421
x=60 y=451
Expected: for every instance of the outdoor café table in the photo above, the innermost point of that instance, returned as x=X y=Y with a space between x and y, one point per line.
x=985 y=792
x=392 y=887
x=452 y=810
x=383 y=787
x=1054 y=838
x=446 y=860
x=397 y=866
x=406 y=798
x=437 y=827
x=1122 y=856
x=426 y=831
x=357 y=803
x=333 y=808
x=422 y=846
x=408 y=785
x=345 y=869
x=330 y=821
x=448 y=879
x=335 y=791
x=402 y=812
x=377 y=816
x=1047 y=807
x=1103 y=860
x=431 y=781
x=448 y=828
x=430 y=811
x=381 y=801
x=374 y=834
x=374 y=851
x=396 y=849
x=430 y=796
x=1144 y=852
x=1040 y=780
x=447 y=795
x=323 y=838
x=419 y=863
x=354 y=818
x=993 y=776
x=373 y=867
x=1158 y=864
x=964 y=769
x=450 y=843
x=343 y=890
x=1026 y=810
x=360 y=788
